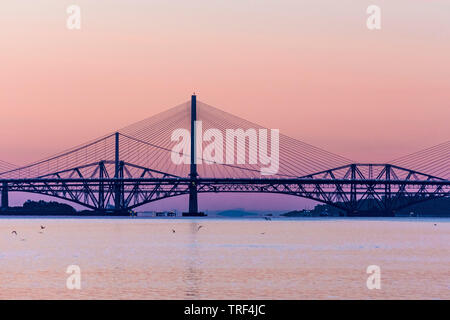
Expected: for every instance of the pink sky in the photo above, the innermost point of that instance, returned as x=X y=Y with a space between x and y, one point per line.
x=310 y=68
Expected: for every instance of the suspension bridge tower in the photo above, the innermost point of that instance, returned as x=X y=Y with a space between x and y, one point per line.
x=193 y=175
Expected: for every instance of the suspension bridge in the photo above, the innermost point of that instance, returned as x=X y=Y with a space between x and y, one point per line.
x=133 y=166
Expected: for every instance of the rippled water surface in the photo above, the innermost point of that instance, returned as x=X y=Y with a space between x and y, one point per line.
x=225 y=258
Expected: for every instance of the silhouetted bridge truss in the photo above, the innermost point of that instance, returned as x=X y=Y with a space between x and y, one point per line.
x=133 y=167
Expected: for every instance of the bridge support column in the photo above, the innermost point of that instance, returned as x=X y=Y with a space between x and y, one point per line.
x=353 y=198
x=388 y=193
x=118 y=175
x=5 y=199
x=193 y=197
x=101 y=187
x=119 y=192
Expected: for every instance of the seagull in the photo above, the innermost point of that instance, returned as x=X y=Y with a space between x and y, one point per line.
x=199 y=228
x=14 y=232
x=42 y=227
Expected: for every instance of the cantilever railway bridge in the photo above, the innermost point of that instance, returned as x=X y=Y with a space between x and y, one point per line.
x=131 y=167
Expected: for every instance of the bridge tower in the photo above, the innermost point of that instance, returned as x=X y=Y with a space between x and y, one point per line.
x=193 y=197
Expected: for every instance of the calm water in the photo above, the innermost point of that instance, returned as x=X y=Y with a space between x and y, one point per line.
x=225 y=259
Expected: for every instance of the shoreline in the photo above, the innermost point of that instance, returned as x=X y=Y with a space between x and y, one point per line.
x=252 y=218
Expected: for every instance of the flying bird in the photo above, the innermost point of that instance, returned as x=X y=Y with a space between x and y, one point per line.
x=173 y=231
x=42 y=227
x=267 y=218
x=14 y=232
x=199 y=227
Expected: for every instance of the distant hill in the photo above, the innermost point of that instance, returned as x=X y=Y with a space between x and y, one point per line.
x=236 y=213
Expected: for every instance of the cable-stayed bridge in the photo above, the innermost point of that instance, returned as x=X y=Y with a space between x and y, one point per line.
x=6 y=166
x=134 y=166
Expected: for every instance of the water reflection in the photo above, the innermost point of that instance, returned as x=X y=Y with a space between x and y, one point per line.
x=192 y=275
x=225 y=259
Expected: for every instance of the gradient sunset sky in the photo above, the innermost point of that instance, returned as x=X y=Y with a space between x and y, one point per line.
x=310 y=68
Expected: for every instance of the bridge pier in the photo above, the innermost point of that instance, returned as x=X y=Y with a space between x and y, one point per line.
x=119 y=197
x=101 y=187
x=193 y=198
x=119 y=194
x=353 y=198
x=388 y=192
x=5 y=199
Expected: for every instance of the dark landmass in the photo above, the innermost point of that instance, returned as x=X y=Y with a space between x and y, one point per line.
x=432 y=208
x=53 y=208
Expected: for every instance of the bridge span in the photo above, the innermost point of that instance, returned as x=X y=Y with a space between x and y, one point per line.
x=132 y=167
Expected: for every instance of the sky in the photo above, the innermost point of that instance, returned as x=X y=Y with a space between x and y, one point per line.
x=310 y=68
